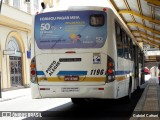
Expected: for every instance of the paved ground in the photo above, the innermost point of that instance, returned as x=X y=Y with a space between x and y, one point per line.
x=20 y=100
x=148 y=106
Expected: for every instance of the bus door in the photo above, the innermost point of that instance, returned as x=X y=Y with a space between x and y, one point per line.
x=142 y=68
x=136 y=63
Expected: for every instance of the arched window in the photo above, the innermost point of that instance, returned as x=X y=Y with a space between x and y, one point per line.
x=13 y=45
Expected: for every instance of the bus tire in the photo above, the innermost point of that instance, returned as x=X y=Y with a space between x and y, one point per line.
x=77 y=100
x=138 y=88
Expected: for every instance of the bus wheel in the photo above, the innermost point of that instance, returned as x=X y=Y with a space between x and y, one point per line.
x=138 y=88
x=77 y=100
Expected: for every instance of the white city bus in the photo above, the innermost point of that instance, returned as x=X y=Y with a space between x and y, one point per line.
x=83 y=53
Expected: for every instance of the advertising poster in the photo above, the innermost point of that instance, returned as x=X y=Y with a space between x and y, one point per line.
x=70 y=29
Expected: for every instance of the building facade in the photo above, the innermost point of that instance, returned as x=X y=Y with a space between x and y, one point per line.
x=15 y=41
x=15 y=37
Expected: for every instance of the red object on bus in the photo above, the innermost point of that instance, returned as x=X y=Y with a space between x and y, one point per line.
x=146 y=70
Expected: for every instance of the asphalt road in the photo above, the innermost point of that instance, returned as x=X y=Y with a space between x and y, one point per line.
x=97 y=110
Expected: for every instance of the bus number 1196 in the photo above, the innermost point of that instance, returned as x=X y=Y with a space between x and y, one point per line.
x=97 y=72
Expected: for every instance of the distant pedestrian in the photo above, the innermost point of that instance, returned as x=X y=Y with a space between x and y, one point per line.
x=159 y=78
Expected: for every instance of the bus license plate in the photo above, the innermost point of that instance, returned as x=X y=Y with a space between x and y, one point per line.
x=74 y=89
x=71 y=78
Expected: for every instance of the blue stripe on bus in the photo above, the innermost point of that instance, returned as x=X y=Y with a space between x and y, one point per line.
x=39 y=72
x=122 y=72
x=65 y=73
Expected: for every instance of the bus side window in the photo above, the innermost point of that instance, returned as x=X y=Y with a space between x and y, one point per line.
x=130 y=47
x=119 y=40
x=132 y=50
x=124 y=37
x=125 y=45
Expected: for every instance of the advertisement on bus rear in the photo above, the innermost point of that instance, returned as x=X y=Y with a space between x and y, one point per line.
x=70 y=29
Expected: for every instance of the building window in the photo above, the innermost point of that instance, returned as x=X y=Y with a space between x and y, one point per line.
x=15 y=71
x=6 y=2
x=28 y=8
x=13 y=45
x=16 y=3
x=36 y=5
x=27 y=1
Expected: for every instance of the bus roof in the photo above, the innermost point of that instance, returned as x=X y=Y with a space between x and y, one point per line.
x=74 y=8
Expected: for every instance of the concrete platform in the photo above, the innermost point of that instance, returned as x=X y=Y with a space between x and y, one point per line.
x=148 y=107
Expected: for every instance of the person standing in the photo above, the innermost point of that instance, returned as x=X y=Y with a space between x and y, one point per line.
x=159 y=73
x=159 y=77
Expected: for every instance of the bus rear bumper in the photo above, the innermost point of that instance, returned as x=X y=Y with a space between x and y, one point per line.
x=102 y=91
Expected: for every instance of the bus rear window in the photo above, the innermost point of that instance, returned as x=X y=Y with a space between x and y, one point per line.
x=97 y=20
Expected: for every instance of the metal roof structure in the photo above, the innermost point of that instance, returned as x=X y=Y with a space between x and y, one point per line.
x=142 y=18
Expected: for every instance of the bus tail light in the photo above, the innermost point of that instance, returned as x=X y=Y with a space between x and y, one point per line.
x=33 y=72
x=70 y=52
x=110 y=70
x=33 y=75
x=100 y=88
